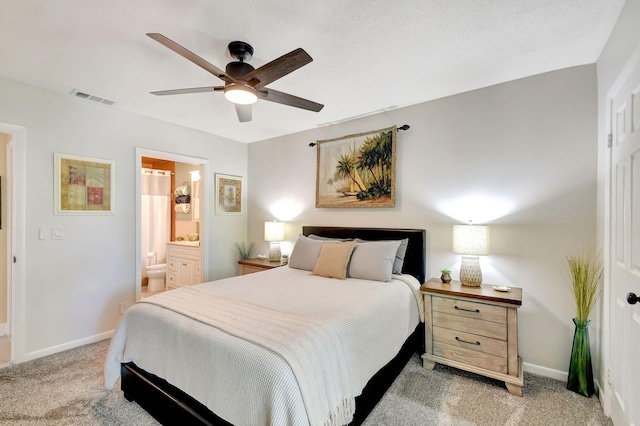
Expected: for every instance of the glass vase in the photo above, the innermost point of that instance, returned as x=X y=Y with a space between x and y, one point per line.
x=580 y=371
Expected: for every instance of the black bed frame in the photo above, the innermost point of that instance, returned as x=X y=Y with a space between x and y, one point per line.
x=171 y=406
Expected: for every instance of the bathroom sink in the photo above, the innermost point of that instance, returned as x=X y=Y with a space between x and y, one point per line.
x=187 y=243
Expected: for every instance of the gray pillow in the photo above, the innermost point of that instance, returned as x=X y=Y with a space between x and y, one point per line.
x=373 y=260
x=305 y=253
x=318 y=237
x=400 y=254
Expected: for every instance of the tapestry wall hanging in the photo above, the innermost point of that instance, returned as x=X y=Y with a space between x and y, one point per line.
x=357 y=170
x=228 y=194
x=83 y=185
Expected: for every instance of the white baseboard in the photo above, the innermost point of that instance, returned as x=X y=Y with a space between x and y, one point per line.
x=66 y=346
x=545 y=372
x=3 y=329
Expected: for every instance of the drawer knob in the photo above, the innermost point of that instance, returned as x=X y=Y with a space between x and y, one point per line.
x=465 y=341
x=477 y=311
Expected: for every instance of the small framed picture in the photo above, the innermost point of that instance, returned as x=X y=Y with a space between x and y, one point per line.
x=228 y=194
x=83 y=185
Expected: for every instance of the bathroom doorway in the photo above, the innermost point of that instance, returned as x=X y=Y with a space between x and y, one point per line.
x=170 y=205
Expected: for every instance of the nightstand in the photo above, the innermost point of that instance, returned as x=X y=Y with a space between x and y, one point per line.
x=256 y=265
x=473 y=329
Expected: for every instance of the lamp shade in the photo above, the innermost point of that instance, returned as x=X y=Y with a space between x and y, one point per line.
x=274 y=231
x=471 y=239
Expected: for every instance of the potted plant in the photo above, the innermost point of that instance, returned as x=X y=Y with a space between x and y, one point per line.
x=284 y=259
x=446 y=276
x=586 y=272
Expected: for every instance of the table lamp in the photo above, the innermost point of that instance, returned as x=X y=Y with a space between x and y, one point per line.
x=274 y=233
x=471 y=241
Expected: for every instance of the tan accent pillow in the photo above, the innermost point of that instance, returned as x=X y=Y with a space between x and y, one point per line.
x=333 y=260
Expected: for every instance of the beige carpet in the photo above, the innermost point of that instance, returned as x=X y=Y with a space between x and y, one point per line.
x=67 y=389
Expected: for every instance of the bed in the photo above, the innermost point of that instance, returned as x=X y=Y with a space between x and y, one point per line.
x=260 y=379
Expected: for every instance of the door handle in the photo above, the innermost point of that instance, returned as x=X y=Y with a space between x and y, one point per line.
x=632 y=299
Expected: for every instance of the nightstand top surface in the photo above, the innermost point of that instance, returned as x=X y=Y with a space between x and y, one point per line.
x=260 y=263
x=484 y=292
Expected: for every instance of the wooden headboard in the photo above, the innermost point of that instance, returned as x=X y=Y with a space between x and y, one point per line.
x=415 y=259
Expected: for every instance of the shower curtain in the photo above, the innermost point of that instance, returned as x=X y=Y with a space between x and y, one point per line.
x=156 y=216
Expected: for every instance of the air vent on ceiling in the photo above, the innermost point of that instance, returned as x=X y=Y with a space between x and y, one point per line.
x=90 y=97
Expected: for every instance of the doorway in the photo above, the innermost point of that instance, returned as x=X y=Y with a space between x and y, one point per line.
x=184 y=224
x=12 y=179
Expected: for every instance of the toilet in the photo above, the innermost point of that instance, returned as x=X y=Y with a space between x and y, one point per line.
x=156 y=274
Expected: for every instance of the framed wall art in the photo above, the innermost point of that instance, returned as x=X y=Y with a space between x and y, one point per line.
x=228 y=194
x=357 y=170
x=83 y=185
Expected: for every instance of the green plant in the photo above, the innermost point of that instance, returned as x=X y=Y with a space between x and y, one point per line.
x=285 y=256
x=245 y=250
x=445 y=271
x=586 y=272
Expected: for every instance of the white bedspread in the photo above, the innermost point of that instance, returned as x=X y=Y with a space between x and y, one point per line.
x=246 y=383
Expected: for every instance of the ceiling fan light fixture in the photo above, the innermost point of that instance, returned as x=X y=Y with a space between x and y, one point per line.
x=239 y=94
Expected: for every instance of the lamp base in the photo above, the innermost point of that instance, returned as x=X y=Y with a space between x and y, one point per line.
x=274 y=252
x=470 y=273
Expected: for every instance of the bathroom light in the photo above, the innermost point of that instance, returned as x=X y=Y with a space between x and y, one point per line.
x=470 y=241
x=239 y=94
x=274 y=233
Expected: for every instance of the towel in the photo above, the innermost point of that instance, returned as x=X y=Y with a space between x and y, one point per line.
x=182 y=190
x=182 y=208
x=183 y=199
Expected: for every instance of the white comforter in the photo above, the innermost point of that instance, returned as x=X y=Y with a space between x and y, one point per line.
x=248 y=384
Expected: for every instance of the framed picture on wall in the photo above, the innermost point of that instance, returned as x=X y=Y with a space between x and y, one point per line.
x=357 y=170
x=83 y=185
x=228 y=194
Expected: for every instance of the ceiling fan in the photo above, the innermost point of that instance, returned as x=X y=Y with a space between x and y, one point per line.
x=243 y=84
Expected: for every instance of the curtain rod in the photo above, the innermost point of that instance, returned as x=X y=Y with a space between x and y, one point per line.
x=403 y=127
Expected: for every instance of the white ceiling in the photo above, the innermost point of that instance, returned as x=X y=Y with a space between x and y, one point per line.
x=369 y=55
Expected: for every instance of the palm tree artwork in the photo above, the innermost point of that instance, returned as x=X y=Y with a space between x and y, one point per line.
x=357 y=170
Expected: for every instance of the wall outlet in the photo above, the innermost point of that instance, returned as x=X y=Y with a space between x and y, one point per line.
x=123 y=307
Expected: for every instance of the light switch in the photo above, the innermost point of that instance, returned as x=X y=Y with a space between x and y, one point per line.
x=57 y=233
x=41 y=234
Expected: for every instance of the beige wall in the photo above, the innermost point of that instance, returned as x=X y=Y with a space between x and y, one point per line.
x=4 y=140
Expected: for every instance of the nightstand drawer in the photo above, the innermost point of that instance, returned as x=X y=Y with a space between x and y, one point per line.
x=474 y=310
x=470 y=325
x=477 y=359
x=469 y=341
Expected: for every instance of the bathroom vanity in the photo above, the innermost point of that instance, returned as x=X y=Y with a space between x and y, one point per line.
x=183 y=264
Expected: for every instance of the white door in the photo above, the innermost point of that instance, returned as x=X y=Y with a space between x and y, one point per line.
x=624 y=250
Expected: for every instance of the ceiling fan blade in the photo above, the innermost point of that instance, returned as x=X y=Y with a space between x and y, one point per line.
x=286 y=99
x=191 y=57
x=277 y=68
x=186 y=91
x=244 y=112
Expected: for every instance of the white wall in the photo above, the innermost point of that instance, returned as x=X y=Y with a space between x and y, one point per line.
x=73 y=286
x=519 y=156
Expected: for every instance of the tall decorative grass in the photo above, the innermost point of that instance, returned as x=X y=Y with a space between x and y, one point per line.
x=586 y=272
x=586 y=283
x=245 y=250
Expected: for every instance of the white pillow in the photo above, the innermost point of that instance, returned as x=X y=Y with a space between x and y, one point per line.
x=400 y=254
x=318 y=237
x=373 y=260
x=305 y=253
